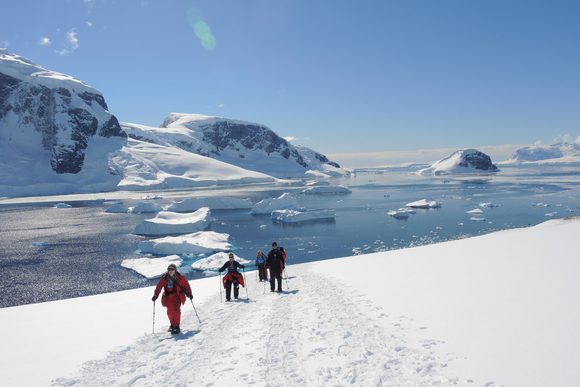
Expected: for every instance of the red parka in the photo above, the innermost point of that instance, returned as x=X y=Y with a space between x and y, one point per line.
x=178 y=286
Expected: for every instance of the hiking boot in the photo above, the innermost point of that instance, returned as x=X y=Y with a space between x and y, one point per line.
x=170 y=328
x=175 y=330
x=279 y=291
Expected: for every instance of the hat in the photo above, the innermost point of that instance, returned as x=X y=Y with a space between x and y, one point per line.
x=172 y=266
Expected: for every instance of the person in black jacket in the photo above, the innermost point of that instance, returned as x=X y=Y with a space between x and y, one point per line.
x=233 y=277
x=276 y=263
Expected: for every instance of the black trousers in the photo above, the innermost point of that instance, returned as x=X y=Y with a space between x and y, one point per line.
x=229 y=290
x=275 y=276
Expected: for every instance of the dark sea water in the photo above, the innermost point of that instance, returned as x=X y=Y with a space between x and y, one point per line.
x=50 y=254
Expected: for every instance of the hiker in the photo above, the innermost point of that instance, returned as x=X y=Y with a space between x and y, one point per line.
x=261 y=264
x=175 y=290
x=276 y=262
x=233 y=277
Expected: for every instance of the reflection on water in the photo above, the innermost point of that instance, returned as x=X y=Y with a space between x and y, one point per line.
x=50 y=254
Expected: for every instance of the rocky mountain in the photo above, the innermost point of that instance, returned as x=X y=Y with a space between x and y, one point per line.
x=47 y=111
x=248 y=145
x=461 y=161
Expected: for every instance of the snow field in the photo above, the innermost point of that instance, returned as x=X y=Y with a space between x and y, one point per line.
x=316 y=333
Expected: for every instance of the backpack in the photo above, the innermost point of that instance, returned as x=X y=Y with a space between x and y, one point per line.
x=283 y=253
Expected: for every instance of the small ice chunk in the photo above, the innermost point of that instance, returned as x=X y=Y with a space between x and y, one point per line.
x=475 y=211
x=488 y=205
x=145 y=208
x=398 y=214
x=293 y=216
x=541 y=205
x=152 y=267
x=62 y=205
x=551 y=214
x=477 y=219
x=40 y=244
x=424 y=203
x=215 y=261
x=167 y=223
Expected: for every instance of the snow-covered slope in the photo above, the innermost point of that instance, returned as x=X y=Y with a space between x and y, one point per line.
x=55 y=132
x=461 y=161
x=245 y=144
x=498 y=309
x=560 y=152
x=152 y=166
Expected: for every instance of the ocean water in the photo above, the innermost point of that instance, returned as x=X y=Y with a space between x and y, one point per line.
x=49 y=254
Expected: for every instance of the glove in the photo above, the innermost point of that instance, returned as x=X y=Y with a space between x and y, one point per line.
x=190 y=296
x=153 y=298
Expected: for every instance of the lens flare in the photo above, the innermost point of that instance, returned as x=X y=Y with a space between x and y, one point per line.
x=201 y=29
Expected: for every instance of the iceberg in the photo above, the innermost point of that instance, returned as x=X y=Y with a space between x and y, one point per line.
x=213 y=203
x=117 y=209
x=398 y=214
x=167 y=223
x=424 y=203
x=293 y=216
x=283 y=202
x=215 y=261
x=152 y=267
x=197 y=243
x=62 y=205
x=145 y=208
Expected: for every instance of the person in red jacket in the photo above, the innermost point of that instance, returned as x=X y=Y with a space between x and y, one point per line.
x=175 y=289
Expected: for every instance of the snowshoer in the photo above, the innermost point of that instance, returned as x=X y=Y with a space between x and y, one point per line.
x=175 y=290
x=276 y=262
x=261 y=264
x=233 y=277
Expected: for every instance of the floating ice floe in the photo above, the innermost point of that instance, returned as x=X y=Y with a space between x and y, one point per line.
x=152 y=267
x=488 y=205
x=117 y=209
x=167 y=223
x=327 y=190
x=213 y=203
x=477 y=219
x=398 y=214
x=145 y=208
x=198 y=242
x=293 y=216
x=62 y=205
x=541 y=205
x=424 y=203
x=215 y=261
x=551 y=214
x=283 y=202
x=475 y=211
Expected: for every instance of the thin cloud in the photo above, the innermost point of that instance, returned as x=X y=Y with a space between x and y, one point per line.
x=70 y=45
x=89 y=23
x=44 y=41
x=221 y=105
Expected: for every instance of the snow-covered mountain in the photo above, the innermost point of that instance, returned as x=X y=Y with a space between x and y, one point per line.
x=53 y=126
x=248 y=145
x=562 y=151
x=461 y=161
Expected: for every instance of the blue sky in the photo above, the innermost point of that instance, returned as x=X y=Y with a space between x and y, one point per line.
x=339 y=76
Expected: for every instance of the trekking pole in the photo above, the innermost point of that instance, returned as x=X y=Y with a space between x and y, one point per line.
x=246 y=282
x=153 y=317
x=286 y=278
x=221 y=297
x=195 y=310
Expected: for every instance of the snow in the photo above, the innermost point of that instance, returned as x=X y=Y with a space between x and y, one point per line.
x=327 y=190
x=293 y=216
x=283 y=202
x=145 y=207
x=167 y=223
x=216 y=261
x=152 y=267
x=424 y=203
x=213 y=203
x=497 y=309
x=62 y=205
x=195 y=243
x=155 y=166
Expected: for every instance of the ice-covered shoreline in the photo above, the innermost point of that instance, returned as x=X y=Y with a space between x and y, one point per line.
x=488 y=309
